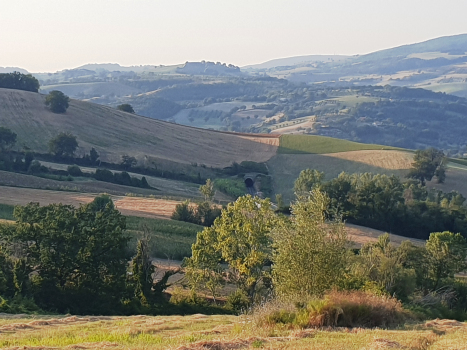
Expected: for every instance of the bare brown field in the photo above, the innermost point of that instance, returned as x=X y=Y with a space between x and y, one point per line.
x=114 y=133
x=134 y=206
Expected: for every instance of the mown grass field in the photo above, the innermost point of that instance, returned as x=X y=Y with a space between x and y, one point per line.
x=299 y=144
x=113 y=133
x=200 y=332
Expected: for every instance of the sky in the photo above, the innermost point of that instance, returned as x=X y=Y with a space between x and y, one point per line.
x=52 y=35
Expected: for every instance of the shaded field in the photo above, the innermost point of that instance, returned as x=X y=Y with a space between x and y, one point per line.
x=285 y=168
x=169 y=239
x=293 y=144
x=113 y=133
x=201 y=332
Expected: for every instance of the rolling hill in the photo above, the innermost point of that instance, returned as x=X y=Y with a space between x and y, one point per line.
x=114 y=133
x=176 y=147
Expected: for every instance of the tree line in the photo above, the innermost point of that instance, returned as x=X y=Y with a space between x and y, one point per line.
x=19 y=81
x=307 y=254
x=59 y=258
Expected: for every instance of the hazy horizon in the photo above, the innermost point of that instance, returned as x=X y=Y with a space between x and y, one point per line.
x=53 y=35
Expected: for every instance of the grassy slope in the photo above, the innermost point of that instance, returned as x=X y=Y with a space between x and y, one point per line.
x=298 y=144
x=114 y=133
x=199 y=332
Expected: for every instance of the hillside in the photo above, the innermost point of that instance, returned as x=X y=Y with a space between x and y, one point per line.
x=114 y=133
x=438 y=64
x=190 y=150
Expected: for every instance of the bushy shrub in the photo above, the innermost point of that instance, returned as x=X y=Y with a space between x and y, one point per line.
x=336 y=308
x=104 y=175
x=74 y=170
x=238 y=301
x=184 y=212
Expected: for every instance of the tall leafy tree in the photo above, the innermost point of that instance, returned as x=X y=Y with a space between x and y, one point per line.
x=57 y=101
x=7 y=139
x=428 y=163
x=240 y=237
x=63 y=145
x=77 y=256
x=447 y=254
x=207 y=190
x=309 y=253
x=307 y=179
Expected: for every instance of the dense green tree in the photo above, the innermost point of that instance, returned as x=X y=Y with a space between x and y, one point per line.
x=386 y=267
x=309 y=252
x=126 y=108
x=207 y=190
x=63 y=145
x=6 y=274
x=7 y=139
x=93 y=156
x=57 y=101
x=77 y=256
x=128 y=162
x=307 y=179
x=240 y=237
x=428 y=163
x=185 y=212
x=447 y=253
x=19 y=81
x=142 y=272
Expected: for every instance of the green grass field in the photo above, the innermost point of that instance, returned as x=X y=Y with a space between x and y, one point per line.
x=299 y=144
x=198 y=332
x=6 y=212
x=169 y=239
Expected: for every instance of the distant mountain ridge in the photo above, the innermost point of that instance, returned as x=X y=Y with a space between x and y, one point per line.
x=13 y=69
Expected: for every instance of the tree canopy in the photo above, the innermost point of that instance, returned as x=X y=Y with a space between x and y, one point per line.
x=74 y=259
x=63 y=145
x=309 y=252
x=428 y=163
x=7 y=138
x=126 y=107
x=57 y=101
x=19 y=81
x=240 y=238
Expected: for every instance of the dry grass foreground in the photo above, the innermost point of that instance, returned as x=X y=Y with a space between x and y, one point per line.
x=114 y=133
x=200 y=332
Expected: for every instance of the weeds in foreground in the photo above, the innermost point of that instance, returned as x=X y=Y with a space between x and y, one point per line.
x=335 y=309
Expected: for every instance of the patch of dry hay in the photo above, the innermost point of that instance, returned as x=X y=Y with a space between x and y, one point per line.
x=221 y=344
x=394 y=160
x=445 y=325
x=384 y=344
x=82 y=346
x=53 y=321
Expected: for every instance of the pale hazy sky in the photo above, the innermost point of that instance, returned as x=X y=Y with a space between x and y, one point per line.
x=51 y=35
